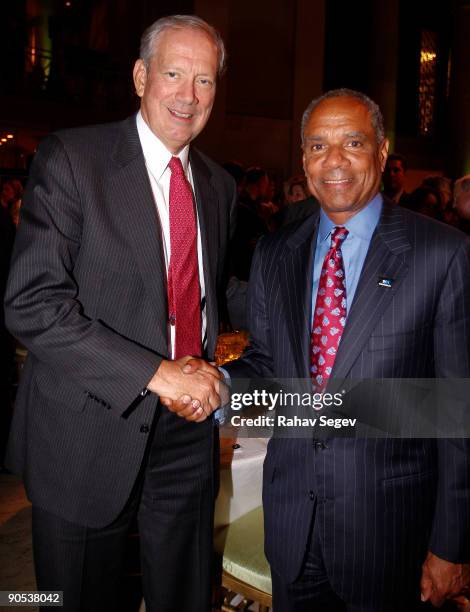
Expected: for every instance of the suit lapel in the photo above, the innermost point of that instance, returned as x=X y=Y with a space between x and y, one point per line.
x=384 y=260
x=136 y=208
x=208 y=214
x=295 y=272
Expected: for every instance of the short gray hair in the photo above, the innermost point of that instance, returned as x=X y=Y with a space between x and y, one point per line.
x=153 y=33
x=374 y=111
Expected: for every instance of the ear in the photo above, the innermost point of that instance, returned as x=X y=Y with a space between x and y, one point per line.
x=140 y=77
x=383 y=153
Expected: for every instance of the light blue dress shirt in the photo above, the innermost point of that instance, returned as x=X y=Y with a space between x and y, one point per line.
x=354 y=248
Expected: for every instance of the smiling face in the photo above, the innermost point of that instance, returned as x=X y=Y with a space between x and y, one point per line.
x=178 y=89
x=342 y=159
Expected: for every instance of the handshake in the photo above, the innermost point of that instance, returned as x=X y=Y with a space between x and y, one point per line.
x=191 y=388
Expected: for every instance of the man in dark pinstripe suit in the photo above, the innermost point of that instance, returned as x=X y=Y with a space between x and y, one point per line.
x=362 y=524
x=87 y=296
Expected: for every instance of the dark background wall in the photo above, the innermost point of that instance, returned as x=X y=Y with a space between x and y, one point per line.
x=69 y=62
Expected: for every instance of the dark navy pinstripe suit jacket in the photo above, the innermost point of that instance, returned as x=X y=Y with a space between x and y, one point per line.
x=87 y=296
x=380 y=504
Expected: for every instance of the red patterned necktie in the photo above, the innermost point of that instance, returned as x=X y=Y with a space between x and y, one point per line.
x=330 y=312
x=184 y=292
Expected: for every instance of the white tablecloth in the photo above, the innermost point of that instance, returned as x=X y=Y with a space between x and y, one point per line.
x=241 y=482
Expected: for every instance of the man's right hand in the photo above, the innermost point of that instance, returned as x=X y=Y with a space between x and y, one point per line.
x=196 y=387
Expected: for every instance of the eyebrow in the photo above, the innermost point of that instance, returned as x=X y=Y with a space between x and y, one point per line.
x=313 y=137
x=355 y=135
x=317 y=137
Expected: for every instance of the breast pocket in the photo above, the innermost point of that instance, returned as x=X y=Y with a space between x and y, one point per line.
x=387 y=342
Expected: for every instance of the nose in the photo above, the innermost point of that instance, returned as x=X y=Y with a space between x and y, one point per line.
x=334 y=157
x=186 y=92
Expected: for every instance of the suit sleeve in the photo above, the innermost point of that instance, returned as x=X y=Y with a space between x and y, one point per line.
x=42 y=305
x=225 y=275
x=257 y=359
x=450 y=538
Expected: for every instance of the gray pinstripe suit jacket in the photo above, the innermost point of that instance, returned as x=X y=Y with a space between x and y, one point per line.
x=381 y=504
x=87 y=296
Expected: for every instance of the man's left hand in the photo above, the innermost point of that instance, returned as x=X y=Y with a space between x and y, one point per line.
x=442 y=580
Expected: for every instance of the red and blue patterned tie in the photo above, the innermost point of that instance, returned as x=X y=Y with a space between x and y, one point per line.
x=330 y=312
x=184 y=292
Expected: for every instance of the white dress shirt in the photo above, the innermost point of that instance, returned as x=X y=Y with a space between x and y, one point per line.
x=157 y=158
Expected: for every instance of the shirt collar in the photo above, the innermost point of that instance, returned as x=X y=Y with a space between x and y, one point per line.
x=156 y=154
x=362 y=224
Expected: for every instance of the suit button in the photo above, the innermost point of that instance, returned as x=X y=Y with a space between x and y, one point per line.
x=319 y=445
x=311 y=494
x=144 y=428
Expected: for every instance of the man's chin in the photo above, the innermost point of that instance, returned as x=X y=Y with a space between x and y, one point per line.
x=338 y=207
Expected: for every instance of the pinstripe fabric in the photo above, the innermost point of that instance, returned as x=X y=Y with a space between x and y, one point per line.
x=380 y=504
x=87 y=297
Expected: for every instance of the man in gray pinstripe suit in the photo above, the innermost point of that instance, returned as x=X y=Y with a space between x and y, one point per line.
x=362 y=524
x=87 y=296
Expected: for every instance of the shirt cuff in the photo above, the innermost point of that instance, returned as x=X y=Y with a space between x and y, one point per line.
x=220 y=415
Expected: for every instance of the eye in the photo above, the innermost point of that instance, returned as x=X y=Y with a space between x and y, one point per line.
x=355 y=144
x=316 y=147
x=171 y=74
x=205 y=81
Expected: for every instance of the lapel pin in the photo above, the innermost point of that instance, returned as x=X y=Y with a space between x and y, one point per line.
x=385 y=282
